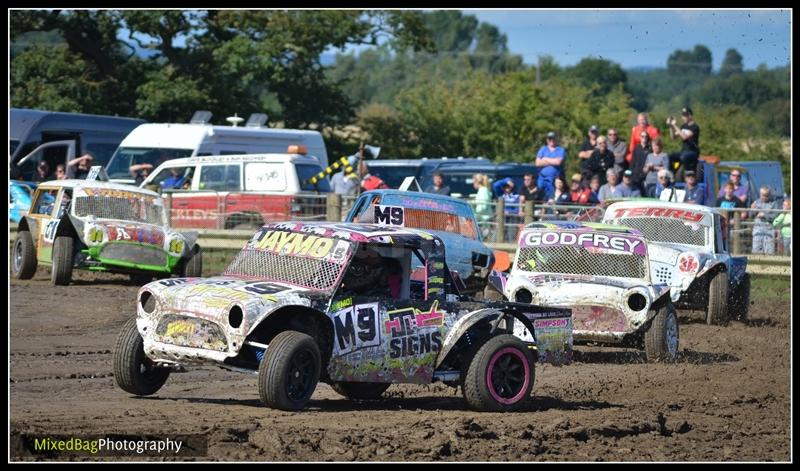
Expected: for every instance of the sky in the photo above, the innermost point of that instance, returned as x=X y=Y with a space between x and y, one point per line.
x=635 y=38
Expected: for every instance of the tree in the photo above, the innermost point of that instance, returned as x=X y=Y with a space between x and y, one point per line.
x=732 y=64
x=602 y=74
x=694 y=62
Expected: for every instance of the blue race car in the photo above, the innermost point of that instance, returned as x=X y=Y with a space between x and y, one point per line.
x=450 y=219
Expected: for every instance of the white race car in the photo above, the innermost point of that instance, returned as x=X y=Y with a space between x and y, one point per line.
x=689 y=251
x=602 y=273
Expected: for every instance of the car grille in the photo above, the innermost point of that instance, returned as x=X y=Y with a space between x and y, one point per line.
x=579 y=261
x=667 y=230
x=134 y=253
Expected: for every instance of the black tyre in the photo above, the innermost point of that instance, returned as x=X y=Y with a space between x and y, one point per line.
x=740 y=300
x=661 y=340
x=499 y=375
x=360 y=391
x=193 y=264
x=717 y=310
x=289 y=371
x=63 y=258
x=134 y=372
x=23 y=257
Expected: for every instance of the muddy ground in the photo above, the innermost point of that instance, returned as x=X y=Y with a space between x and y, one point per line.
x=727 y=398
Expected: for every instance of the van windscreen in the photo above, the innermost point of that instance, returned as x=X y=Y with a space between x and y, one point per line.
x=120 y=163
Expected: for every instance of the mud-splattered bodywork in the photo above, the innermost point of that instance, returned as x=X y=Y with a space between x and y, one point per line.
x=687 y=242
x=117 y=228
x=600 y=272
x=295 y=271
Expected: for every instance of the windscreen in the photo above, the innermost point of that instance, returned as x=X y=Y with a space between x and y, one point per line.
x=122 y=160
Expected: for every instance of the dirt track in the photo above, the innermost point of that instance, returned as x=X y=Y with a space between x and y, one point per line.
x=727 y=398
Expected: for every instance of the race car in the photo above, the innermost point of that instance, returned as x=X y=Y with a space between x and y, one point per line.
x=101 y=226
x=450 y=219
x=602 y=273
x=340 y=303
x=689 y=251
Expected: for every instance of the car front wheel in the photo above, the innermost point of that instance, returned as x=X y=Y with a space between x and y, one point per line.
x=289 y=371
x=133 y=371
x=662 y=338
x=63 y=258
x=717 y=310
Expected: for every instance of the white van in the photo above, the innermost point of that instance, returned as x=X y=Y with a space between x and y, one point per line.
x=157 y=143
x=239 y=191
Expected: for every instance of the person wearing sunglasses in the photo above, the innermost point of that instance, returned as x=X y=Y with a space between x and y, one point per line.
x=739 y=190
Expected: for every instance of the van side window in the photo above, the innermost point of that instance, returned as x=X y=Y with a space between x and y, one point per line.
x=220 y=178
x=264 y=176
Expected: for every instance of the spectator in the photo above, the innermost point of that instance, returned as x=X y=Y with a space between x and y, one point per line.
x=530 y=191
x=600 y=161
x=619 y=148
x=728 y=199
x=42 y=172
x=784 y=223
x=610 y=189
x=79 y=167
x=550 y=158
x=690 y=134
x=368 y=181
x=656 y=161
x=344 y=184
x=483 y=199
x=665 y=184
x=643 y=126
x=695 y=193
x=594 y=190
x=61 y=172
x=140 y=172
x=560 y=193
x=627 y=188
x=174 y=181
x=587 y=149
x=739 y=190
x=579 y=194
x=639 y=159
x=505 y=189
x=763 y=232
x=438 y=186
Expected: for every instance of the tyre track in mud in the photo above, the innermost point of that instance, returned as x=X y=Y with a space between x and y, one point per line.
x=727 y=398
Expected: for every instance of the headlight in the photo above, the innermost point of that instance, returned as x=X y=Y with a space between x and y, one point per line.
x=148 y=302
x=523 y=296
x=637 y=300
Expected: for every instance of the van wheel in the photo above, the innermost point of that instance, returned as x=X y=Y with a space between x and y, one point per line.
x=23 y=265
x=289 y=372
x=499 y=375
x=63 y=258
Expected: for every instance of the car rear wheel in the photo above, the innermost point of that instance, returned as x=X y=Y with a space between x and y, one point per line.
x=63 y=258
x=289 y=371
x=133 y=371
x=23 y=264
x=360 y=391
x=717 y=310
x=499 y=375
x=740 y=300
x=193 y=264
x=661 y=340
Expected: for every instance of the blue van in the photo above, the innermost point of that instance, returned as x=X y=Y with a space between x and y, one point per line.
x=79 y=133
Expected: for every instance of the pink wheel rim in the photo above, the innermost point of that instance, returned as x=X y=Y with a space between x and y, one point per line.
x=491 y=370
